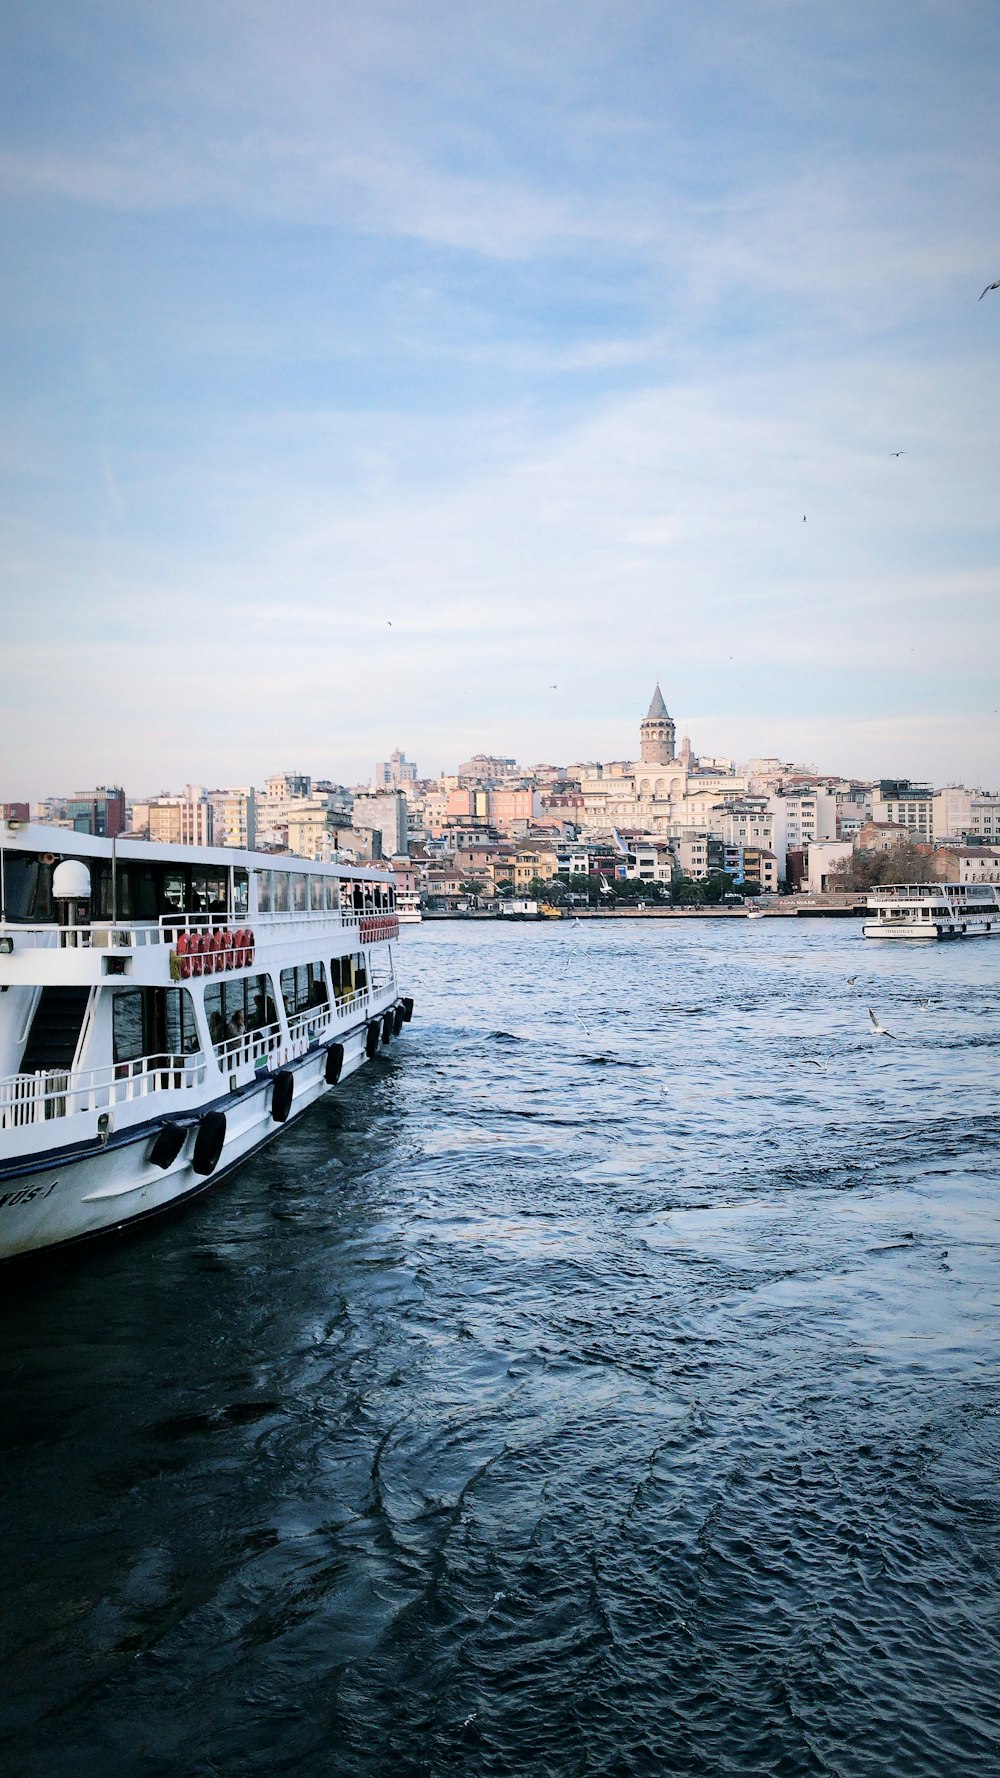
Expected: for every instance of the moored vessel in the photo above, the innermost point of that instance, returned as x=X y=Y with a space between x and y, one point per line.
x=165 y=1011
x=408 y=909
x=933 y=911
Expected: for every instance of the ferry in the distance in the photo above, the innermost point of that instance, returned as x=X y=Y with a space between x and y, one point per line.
x=408 y=909
x=933 y=911
x=165 y=1011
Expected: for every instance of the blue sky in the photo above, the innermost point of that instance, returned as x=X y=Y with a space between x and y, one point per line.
x=370 y=369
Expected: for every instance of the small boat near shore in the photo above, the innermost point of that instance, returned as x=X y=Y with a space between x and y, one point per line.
x=930 y=911
x=165 y=1011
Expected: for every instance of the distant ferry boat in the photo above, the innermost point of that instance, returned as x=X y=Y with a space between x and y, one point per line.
x=165 y=1011
x=408 y=910
x=933 y=911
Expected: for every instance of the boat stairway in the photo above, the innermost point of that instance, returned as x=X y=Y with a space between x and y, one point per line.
x=55 y=1029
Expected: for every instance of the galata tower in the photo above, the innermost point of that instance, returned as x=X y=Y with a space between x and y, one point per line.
x=657 y=733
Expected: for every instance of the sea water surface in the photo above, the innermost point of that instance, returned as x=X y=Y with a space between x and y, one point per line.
x=603 y=1382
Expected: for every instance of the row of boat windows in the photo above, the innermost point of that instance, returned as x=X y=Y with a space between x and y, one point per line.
x=301 y=892
x=161 y=1021
x=134 y=890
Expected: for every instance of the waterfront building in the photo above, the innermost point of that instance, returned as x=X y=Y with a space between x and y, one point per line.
x=234 y=817
x=881 y=836
x=966 y=814
x=911 y=805
x=14 y=812
x=486 y=769
x=181 y=819
x=967 y=864
x=100 y=812
x=802 y=814
x=821 y=864
x=386 y=813
x=395 y=772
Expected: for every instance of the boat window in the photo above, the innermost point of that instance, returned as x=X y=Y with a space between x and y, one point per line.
x=241 y=893
x=175 y=892
x=316 y=894
x=242 y=1001
x=28 y=886
x=280 y=880
x=180 y=1030
x=348 y=975
x=127 y=1025
x=303 y=987
x=332 y=897
x=300 y=891
x=210 y=891
x=265 y=892
x=153 y=1022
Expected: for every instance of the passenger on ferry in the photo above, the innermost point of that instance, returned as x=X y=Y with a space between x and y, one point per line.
x=216 y=1029
x=237 y=1026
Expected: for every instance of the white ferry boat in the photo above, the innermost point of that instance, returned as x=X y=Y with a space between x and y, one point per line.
x=165 y=1011
x=933 y=911
x=408 y=908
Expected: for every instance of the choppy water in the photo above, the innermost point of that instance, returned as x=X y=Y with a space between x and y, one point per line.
x=606 y=1383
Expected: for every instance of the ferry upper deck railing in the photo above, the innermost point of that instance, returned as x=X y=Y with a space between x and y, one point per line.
x=35 y=1098
x=167 y=930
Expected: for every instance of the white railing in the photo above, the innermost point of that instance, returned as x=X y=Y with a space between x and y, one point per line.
x=249 y=1046
x=349 y=1003
x=35 y=1098
x=134 y=935
x=311 y=1023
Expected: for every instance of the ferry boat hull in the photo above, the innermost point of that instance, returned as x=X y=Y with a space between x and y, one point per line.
x=62 y=1196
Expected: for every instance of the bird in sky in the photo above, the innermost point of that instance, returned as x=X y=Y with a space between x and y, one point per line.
x=994 y=286
x=553 y=688
x=803 y=518
x=879 y=1030
x=899 y=453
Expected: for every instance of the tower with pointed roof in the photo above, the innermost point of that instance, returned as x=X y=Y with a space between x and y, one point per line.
x=657 y=733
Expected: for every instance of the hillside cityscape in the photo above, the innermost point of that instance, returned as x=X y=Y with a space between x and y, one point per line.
x=667 y=825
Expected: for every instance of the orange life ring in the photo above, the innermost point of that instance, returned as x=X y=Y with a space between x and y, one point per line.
x=228 y=950
x=196 y=945
x=248 y=954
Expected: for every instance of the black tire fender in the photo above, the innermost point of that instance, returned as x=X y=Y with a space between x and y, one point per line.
x=407 y=1011
x=397 y=1021
x=281 y=1094
x=209 y=1142
x=167 y=1145
x=387 y=1028
x=372 y=1036
x=334 y=1064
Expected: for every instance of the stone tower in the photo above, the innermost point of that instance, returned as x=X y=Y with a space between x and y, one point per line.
x=657 y=733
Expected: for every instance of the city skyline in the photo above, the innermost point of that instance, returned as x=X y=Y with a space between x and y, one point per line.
x=439 y=374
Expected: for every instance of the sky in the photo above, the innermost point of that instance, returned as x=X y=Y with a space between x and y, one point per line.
x=437 y=375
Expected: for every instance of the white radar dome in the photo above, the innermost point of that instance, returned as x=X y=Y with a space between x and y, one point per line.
x=71 y=881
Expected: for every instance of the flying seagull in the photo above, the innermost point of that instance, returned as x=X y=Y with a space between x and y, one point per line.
x=851 y=980
x=899 y=453
x=879 y=1030
x=994 y=286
